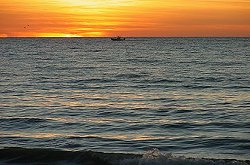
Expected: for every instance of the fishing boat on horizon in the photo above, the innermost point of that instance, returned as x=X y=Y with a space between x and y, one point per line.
x=118 y=38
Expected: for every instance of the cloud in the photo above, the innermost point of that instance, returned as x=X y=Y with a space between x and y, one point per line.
x=3 y=35
x=133 y=17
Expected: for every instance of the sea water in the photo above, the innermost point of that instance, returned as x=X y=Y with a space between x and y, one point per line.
x=184 y=96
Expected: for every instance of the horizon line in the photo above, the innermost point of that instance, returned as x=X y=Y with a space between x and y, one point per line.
x=133 y=37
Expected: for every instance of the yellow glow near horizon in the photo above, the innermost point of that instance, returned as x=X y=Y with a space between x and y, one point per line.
x=100 y=18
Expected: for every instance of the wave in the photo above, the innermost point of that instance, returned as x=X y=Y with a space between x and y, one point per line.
x=185 y=125
x=91 y=80
x=162 y=81
x=23 y=119
x=130 y=75
x=154 y=156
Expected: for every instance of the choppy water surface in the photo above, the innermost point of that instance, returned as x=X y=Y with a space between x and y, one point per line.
x=187 y=96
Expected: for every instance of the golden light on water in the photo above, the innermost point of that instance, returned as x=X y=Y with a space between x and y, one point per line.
x=123 y=100
x=46 y=135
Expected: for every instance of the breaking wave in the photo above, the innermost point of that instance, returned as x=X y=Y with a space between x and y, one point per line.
x=154 y=156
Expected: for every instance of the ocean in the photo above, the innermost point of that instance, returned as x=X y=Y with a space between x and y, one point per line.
x=153 y=100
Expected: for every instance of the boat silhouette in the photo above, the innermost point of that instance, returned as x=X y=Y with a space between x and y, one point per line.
x=118 y=38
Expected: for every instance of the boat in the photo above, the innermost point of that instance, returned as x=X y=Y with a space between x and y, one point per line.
x=118 y=38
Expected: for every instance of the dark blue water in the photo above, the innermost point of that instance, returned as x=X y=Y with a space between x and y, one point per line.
x=186 y=96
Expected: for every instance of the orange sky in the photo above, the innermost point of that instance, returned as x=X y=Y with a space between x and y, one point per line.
x=138 y=18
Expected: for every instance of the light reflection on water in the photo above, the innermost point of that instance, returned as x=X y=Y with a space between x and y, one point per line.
x=184 y=100
x=46 y=135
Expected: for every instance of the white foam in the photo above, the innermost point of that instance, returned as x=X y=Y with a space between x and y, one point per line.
x=155 y=157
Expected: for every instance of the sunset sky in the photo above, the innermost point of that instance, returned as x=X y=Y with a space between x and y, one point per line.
x=136 y=18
